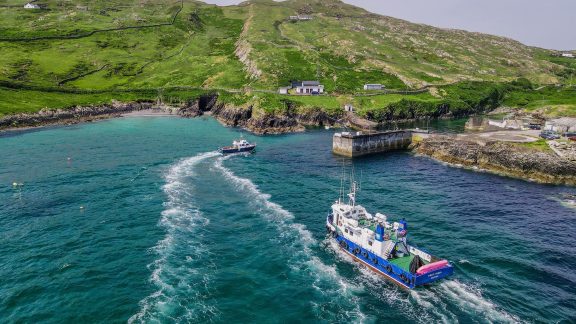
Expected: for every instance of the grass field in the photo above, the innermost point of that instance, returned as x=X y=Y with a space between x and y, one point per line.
x=540 y=145
x=137 y=50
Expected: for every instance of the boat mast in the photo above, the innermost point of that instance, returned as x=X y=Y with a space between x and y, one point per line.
x=353 y=189
x=341 y=193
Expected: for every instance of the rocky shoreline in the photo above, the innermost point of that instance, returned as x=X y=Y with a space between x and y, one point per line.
x=48 y=117
x=501 y=158
x=261 y=124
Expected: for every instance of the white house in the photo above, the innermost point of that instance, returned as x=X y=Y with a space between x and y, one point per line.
x=374 y=86
x=309 y=87
x=300 y=17
x=30 y=5
x=570 y=55
x=561 y=125
x=284 y=90
x=348 y=108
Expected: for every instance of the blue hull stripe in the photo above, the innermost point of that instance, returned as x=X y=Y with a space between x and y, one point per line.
x=412 y=280
x=245 y=149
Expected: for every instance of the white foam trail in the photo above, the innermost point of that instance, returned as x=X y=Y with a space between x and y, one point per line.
x=177 y=297
x=471 y=299
x=327 y=281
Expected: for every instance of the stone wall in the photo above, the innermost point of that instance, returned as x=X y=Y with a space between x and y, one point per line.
x=357 y=144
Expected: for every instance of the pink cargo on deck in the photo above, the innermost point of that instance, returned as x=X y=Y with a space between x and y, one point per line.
x=431 y=267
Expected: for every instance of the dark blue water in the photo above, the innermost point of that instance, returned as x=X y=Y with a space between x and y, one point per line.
x=138 y=220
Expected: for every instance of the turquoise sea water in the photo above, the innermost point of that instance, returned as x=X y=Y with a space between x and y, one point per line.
x=172 y=232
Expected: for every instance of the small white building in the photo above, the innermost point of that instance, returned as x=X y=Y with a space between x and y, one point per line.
x=373 y=86
x=561 y=125
x=284 y=90
x=348 y=108
x=569 y=55
x=310 y=87
x=30 y=5
x=301 y=18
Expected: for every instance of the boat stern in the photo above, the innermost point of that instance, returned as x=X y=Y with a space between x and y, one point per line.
x=434 y=275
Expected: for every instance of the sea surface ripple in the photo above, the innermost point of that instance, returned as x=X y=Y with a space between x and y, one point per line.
x=140 y=220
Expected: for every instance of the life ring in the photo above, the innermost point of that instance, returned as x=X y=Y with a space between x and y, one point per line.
x=375 y=260
x=403 y=277
x=365 y=254
x=334 y=234
x=356 y=250
x=344 y=245
x=389 y=268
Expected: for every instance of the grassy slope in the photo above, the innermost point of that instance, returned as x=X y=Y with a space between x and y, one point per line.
x=343 y=39
x=343 y=46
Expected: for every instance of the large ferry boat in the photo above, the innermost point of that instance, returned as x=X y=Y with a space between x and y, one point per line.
x=382 y=245
x=238 y=146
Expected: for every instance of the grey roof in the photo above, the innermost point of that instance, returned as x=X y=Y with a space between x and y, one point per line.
x=565 y=121
x=310 y=83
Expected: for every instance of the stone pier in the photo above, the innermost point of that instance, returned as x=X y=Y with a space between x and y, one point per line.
x=353 y=144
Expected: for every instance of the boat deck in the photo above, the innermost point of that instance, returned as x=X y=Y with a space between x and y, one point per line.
x=403 y=262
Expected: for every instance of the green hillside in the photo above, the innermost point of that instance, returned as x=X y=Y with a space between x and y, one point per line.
x=148 y=49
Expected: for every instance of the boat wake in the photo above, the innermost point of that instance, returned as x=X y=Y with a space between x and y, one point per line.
x=465 y=297
x=343 y=302
x=180 y=287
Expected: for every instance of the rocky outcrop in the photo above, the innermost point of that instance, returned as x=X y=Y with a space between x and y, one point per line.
x=230 y=115
x=197 y=107
x=315 y=117
x=70 y=115
x=272 y=124
x=244 y=48
x=502 y=158
x=269 y=123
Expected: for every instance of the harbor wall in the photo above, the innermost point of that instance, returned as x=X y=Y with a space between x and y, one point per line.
x=359 y=144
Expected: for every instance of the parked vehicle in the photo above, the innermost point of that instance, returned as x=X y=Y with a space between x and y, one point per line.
x=549 y=135
x=535 y=126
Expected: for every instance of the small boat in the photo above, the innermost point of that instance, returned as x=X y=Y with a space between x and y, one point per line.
x=238 y=146
x=382 y=246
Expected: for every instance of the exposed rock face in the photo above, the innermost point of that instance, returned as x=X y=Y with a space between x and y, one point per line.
x=232 y=116
x=503 y=158
x=315 y=118
x=272 y=124
x=287 y=122
x=70 y=115
x=197 y=107
x=244 y=48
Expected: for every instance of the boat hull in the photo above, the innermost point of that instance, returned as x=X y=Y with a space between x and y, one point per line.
x=232 y=150
x=390 y=271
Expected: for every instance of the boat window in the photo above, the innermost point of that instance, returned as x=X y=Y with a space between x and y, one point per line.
x=346 y=230
x=370 y=243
